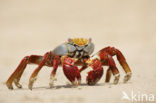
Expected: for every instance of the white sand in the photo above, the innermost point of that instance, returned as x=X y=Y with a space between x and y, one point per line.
x=33 y=27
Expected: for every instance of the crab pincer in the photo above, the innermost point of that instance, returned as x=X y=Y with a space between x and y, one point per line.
x=71 y=71
x=95 y=75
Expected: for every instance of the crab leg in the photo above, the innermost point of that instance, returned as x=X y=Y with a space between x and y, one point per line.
x=124 y=64
x=35 y=59
x=16 y=75
x=113 y=68
x=112 y=52
x=56 y=62
x=36 y=71
x=108 y=75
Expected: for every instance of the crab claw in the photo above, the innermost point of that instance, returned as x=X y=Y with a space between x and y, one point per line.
x=71 y=71
x=72 y=74
x=95 y=75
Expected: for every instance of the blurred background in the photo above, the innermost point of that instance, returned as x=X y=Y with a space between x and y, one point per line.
x=43 y=24
x=37 y=26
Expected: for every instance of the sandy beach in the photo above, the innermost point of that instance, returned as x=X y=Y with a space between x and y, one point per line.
x=36 y=27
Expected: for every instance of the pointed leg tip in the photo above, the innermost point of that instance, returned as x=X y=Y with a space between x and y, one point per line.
x=10 y=88
x=18 y=85
x=106 y=81
x=115 y=82
x=9 y=85
x=51 y=85
x=31 y=82
x=30 y=86
x=127 y=77
x=116 y=79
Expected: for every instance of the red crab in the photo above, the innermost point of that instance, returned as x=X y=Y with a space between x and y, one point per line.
x=75 y=52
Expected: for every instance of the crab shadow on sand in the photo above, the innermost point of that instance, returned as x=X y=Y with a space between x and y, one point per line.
x=56 y=87
x=109 y=85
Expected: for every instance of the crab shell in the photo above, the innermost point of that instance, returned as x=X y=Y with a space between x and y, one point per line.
x=76 y=48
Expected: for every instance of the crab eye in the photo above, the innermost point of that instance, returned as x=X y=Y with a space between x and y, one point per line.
x=69 y=40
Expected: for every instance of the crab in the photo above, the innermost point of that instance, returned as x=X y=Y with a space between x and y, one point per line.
x=71 y=54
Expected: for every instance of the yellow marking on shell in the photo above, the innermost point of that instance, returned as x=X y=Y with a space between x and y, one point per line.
x=80 y=41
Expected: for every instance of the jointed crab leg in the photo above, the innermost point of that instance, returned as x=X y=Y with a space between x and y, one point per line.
x=56 y=62
x=124 y=64
x=112 y=52
x=36 y=71
x=35 y=59
x=108 y=75
x=16 y=75
x=113 y=68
